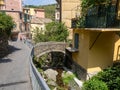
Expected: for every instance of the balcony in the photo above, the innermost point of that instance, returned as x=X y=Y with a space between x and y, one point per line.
x=99 y=17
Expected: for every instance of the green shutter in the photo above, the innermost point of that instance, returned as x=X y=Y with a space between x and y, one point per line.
x=76 y=41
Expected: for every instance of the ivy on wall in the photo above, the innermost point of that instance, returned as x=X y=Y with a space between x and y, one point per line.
x=86 y=5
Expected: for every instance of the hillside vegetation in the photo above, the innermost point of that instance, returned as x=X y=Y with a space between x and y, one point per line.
x=49 y=10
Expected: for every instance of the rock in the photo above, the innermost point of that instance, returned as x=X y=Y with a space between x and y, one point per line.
x=51 y=76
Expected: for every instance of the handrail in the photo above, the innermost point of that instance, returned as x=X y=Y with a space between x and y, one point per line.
x=38 y=82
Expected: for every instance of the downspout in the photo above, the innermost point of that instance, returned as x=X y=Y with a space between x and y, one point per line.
x=95 y=40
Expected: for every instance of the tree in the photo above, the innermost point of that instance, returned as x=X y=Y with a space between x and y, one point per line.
x=39 y=35
x=6 y=26
x=55 y=31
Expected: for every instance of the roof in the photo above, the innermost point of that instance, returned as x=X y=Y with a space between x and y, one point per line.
x=46 y=20
x=36 y=20
x=37 y=9
x=102 y=29
x=26 y=8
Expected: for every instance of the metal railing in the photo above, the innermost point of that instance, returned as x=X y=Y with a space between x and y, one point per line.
x=38 y=82
x=99 y=17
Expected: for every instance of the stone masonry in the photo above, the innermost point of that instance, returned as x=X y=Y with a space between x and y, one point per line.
x=46 y=47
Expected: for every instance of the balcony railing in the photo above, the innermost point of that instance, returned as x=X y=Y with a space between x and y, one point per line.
x=99 y=17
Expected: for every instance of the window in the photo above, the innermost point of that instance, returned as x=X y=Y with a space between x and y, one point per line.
x=76 y=41
x=20 y=15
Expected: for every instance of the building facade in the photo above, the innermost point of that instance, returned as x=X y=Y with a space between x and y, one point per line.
x=68 y=10
x=40 y=13
x=14 y=9
x=38 y=19
x=13 y=5
x=96 y=45
x=2 y=4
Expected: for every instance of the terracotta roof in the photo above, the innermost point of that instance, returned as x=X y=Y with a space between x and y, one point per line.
x=36 y=20
x=46 y=20
x=37 y=9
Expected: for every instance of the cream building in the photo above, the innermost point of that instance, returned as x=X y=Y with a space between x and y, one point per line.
x=69 y=9
x=38 y=24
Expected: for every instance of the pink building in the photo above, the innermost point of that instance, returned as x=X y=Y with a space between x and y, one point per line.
x=39 y=13
x=14 y=5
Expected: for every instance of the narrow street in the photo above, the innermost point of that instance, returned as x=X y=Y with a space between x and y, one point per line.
x=14 y=68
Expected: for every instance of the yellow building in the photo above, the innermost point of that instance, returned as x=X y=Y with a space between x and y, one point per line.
x=2 y=3
x=96 y=46
x=68 y=10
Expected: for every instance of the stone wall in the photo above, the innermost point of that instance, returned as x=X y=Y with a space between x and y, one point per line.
x=45 y=47
x=79 y=71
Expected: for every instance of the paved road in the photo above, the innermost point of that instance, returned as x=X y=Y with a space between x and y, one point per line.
x=14 y=69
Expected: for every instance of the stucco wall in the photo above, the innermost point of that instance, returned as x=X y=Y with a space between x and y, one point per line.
x=32 y=12
x=34 y=26
x=40 y=14
x=16 y=18
x=35 y=12
x=117 y=48
x=69 y=9
x=15 y=5
x=81 y=57
x=101 y=54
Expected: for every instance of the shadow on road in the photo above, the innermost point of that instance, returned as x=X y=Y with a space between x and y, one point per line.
x=9 y=50
x=5 y=60
x=12 y=49
x=13 y=83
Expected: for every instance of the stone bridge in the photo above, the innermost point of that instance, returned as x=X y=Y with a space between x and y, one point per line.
x=46 y=47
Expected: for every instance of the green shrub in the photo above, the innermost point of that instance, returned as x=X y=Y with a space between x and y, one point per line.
x=111 y=76
x=94 y=84
x=67 y=78
x=55 y=31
